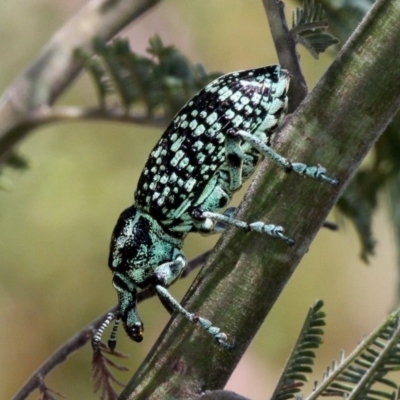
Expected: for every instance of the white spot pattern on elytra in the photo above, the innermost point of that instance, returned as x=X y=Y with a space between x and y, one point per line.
x=192 y=151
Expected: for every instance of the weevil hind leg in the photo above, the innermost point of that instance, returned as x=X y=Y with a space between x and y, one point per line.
x=314 y=172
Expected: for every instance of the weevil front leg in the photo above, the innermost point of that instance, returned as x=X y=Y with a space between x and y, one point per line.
x=165 y=275
x=214 y=331
x=315 y=172
x=112 y=341
x=96 y=340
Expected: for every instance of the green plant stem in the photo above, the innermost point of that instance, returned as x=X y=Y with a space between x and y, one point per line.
x=55 y=68
x=336 y=125
x=343 y=18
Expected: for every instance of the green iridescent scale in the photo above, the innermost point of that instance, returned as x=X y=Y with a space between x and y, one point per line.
x=209 y=149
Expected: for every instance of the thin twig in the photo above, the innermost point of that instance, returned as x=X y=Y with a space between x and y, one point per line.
x=286 y=49
x=85 y=335
x=59 y=356
x=46 y=114
x=56 y=66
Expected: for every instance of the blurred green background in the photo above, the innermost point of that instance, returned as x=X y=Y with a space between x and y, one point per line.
x=57 y=218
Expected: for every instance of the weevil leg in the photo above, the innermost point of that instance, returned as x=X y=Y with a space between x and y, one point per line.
x=214 y=331
x=112 y=341
x=166 y=304
x=315 y=172
x=96 y=340
x=232 y=176
x=221 y=226
x=166 y=274
x=275 y=231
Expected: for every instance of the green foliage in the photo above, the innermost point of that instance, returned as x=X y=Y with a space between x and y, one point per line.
x=309 y=28
x=360 y=199
x=361 y=375
x=302 y=357
x=358 y=203
x=344 y=16
x=164 y=80
x=356 y=376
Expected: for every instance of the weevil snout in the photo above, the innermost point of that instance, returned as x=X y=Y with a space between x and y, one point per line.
x=135 y=332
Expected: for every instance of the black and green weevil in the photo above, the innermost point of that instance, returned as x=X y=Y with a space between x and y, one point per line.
x=209 y=149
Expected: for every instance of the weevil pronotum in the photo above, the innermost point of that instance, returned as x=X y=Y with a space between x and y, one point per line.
x=209 y=149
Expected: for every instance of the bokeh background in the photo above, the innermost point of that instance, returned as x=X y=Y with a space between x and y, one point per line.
x=56 y=219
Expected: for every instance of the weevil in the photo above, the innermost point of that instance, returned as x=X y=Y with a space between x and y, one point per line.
x=209 y=149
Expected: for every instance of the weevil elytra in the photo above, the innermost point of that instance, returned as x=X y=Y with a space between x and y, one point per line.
x=209 y=149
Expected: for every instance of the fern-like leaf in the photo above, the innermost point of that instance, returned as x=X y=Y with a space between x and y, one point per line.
x=356 y=376
x=164 y=80
x=141 y=75
x=97 y=72
x=102 y=376
x=309 y=28
x=358 y=203
x=117 y=72
x=302 y=357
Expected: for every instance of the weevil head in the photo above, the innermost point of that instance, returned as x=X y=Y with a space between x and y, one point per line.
x=138 y=247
